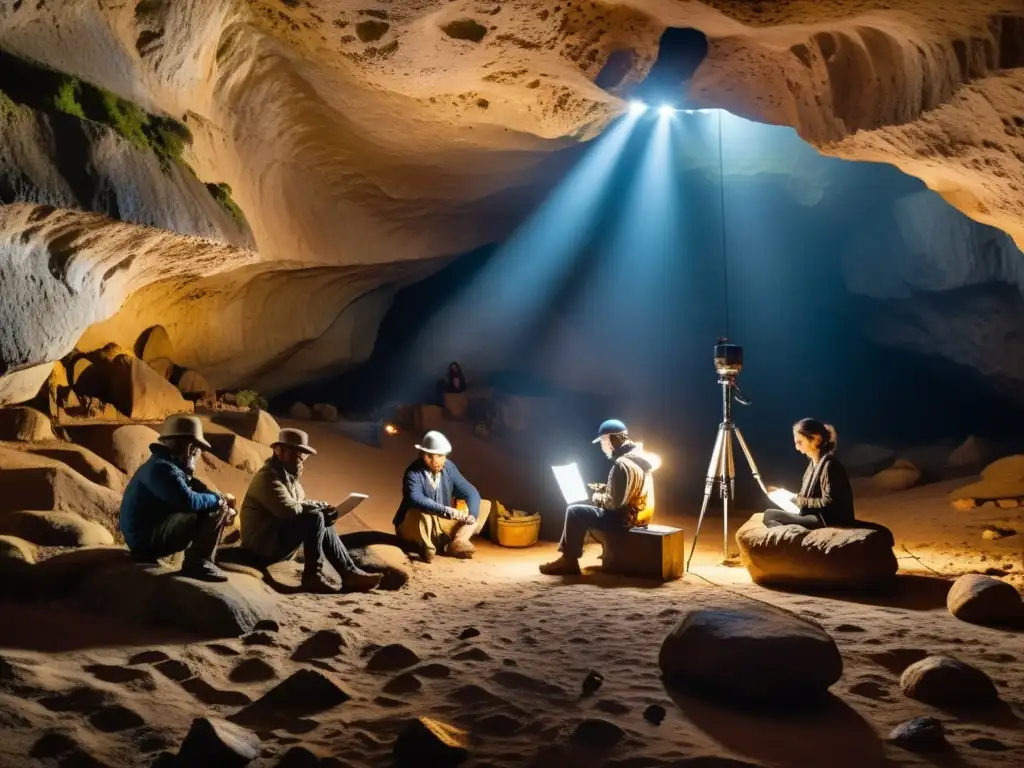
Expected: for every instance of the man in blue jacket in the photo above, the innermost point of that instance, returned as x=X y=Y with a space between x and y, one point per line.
x=427 y=518
x=166 y=509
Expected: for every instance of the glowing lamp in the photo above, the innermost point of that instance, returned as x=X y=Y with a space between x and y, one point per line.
x=655 y=460
x=666 y=110
x=391 y=429
x=637 y=108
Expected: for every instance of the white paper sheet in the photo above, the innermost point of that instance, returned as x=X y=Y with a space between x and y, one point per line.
x=571 y=483
x=784 y=500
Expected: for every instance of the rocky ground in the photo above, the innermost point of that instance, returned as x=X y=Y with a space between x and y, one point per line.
x=106 y=664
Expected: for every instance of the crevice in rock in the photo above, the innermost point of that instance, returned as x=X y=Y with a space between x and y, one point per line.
x=680 y=52
x=619 y=64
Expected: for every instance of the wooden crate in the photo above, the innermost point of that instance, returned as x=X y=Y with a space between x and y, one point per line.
x=655 y=552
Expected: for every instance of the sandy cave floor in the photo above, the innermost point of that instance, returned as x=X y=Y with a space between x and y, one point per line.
x=516 y=686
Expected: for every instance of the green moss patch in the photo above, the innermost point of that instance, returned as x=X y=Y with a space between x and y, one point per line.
x=48 y=91
x=222 y=194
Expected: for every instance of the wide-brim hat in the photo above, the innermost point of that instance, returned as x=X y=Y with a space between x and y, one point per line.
x=436 y=443
x=188 y=427
x=295 y=439
x=610 y=427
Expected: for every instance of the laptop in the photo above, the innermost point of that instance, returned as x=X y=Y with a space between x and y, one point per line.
x=350 y=503
x=570 y=482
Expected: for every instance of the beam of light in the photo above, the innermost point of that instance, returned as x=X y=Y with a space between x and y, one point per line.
x=637 y=108
x=666 y=110
x=490 y=316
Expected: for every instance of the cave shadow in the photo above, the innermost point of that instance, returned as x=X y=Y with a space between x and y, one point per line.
x=911 y=592
x=999 y=714
x=777 y=735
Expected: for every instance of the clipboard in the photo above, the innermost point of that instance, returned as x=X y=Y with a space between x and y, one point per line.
x=350 y=503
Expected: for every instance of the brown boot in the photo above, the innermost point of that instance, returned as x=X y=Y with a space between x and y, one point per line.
x=463 y=550
x=358 y=580
x=315 y=583
x=563 y=566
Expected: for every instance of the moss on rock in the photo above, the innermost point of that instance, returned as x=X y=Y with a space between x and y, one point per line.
x=221 y=192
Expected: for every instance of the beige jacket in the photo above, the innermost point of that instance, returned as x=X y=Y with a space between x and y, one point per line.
x=274 y=496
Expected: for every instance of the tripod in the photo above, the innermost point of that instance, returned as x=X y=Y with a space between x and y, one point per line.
x=722 y=468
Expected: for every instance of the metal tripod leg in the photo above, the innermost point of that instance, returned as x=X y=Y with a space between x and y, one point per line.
x=750 y=459
x=728 y=490
x=714 y=469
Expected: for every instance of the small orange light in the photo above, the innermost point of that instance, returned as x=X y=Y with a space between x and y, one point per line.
x=391 y=429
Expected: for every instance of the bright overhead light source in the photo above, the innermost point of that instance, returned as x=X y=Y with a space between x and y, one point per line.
x=666 y=110
x=637 y=107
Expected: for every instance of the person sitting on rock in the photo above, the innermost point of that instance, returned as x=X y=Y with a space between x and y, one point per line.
x=277 y=519
x=825 y=497
x=625 y=501
x=427 y=518
x=166 y=509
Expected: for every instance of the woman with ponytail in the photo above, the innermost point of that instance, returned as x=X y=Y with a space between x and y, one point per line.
x=825 y=498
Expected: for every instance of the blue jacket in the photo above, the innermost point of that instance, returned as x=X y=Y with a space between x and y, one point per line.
x=158 y=489
x=417 y=493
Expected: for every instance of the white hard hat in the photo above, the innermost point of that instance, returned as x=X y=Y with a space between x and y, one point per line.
x=435 y=442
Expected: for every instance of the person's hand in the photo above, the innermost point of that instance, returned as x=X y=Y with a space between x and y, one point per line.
x=597 y=486
x=772 y=488
x=330 y=514
x=230 y=500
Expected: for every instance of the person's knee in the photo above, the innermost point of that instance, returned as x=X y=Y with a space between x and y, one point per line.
x=313 y=522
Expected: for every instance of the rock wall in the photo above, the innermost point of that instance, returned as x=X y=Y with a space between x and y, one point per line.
x=365 y=145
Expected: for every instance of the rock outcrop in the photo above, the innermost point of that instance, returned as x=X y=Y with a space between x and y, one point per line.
x=839 y=558
x=303 y=151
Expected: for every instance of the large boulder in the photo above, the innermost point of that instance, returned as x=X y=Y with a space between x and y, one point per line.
x=211 y=741
x=237 y=451
x=194 y=386
x=899 y=477
x=947 y=682
x=16 y=550
x=39 y=483
x=154 y=343
x=750 y=652
x=1002 y=479
x=985 y=600
x=377 y=552
x=54 y=529
x=108 y=582
x=256 y=425
x=828 y=557
x=971 y=454
x=126 y=446
x=26 y=425
x=864 y=460
x=141 y=393
x=218 y=475
x=83 y=461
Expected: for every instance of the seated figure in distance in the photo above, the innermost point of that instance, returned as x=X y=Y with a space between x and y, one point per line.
x=427 y=519
x=825 y=497
x=277 y=519
x=166 y=509
x=625 y=501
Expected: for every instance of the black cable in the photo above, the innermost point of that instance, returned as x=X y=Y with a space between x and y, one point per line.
x=721 y=189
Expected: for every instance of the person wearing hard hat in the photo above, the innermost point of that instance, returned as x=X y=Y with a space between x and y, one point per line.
x=166 y=509
x=427 y=518
x=277 y=519
x=625 y=501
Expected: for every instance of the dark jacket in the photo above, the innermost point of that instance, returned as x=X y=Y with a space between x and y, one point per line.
x=417 y=493
x=274 y=496
x=826 y=492
x=158 y=489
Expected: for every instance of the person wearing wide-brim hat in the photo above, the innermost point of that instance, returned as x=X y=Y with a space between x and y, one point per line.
x=166 y=509
x=428 y=519
x=625 y=501
x=277 y=519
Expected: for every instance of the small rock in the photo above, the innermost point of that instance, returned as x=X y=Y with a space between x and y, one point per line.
x=469 y=632
x=300 y=412
x=404 y=684
x=299 y=757
x=592 y=682
x=303 y=693
x=325 y=412
x=428 y=742
x=211 y=741
x=595 y=732
x=322 y=645
x=988 y=745
x=258 y=638
x=984 y=600
x=994 y=534
x=655 y=713
x=392 y=657
x=429 y=595
x=252 y=671
x=267 y=625
x=148 y=657
x=947 y=682
x=919 y=733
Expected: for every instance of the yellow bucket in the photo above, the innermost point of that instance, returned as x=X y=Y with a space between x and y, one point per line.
x=518 y=531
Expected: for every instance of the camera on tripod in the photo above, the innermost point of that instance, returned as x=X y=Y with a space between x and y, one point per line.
x=728 y=358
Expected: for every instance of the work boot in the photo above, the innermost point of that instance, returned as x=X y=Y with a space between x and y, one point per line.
x=315 y=583
x=358 y=580
x=426 y=553
x=463 y=550
x=563 y=566
x=202 y=570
